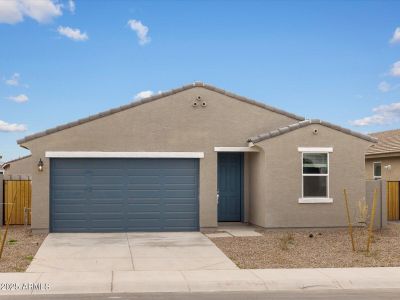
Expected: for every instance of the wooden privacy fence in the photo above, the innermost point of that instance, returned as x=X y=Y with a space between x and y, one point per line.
x=22 y=190
x=392 y=200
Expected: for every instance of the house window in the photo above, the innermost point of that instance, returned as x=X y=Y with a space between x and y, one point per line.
x=315 y=175
x=377 y=170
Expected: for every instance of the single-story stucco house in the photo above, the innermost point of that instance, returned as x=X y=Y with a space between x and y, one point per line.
x=189 y=158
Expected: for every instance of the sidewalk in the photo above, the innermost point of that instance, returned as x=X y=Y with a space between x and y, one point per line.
x=203 y=281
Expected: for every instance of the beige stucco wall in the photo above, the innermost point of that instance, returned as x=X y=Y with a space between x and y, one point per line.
x=168 y=124
x=20 y=167
x=281 y=185
x=389 y=175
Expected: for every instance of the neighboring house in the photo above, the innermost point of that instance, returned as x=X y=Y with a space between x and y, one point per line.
x=190 y=158
x=382 y=159
x=20 y=166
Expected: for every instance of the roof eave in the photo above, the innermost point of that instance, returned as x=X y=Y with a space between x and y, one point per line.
x=301 y=124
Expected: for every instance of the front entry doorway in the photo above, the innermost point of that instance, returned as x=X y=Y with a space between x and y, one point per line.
x=230 y=187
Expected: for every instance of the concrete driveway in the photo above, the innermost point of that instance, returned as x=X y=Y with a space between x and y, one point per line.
x=168 y=251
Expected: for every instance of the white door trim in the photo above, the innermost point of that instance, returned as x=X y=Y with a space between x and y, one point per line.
x=235 y=149
x=100 y=154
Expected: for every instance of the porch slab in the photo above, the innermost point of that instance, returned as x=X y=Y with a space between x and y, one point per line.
x=218 y=235
x=237 y=230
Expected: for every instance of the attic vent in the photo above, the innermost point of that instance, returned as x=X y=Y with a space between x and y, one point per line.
x=199 y=102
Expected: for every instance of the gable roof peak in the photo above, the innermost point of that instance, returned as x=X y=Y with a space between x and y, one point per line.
x=153 y=98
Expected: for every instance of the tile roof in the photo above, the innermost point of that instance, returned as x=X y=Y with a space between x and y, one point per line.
x=388 y=142
x=301 y=124
x=153 y=98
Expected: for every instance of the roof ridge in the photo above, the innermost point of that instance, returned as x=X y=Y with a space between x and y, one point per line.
x=153 y=98
x=304 y=123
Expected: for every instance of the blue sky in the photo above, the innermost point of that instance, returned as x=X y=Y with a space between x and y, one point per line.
x=63 y=60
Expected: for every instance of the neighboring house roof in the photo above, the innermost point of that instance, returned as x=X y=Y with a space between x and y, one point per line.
x=301 y=124
x=7 y=163
x=153 y=98
x=388 y=142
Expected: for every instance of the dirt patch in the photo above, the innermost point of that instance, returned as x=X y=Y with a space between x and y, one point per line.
x=20 y=248
x=326 y=248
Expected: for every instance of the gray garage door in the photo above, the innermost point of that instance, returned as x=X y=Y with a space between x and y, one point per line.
x=108 y=195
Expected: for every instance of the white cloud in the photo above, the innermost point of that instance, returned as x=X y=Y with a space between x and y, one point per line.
x=71 y=6
x=143 y=94
x=73 y=34
x=8 y=127
x=396 y=36
x=141 y=31
x=395 y=71
x=14 y=80
x=384 y=87
x=10 y=12
x=42 y=11
x=19 y=99
x=383 y=114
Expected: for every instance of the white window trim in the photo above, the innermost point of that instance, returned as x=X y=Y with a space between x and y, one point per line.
x=373 y=170
x=235 y=149
x=315 y=149
x=326 y=199
x=315 y=200
x=98 y=154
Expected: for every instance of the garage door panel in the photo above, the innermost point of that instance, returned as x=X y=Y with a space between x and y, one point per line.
x=170 y=208
x=180 y=179
x=108 y=207
x=64 y=216
x=143 y=179
x=144 y=193
x=103 y=195
x=72 y=226
x=143 y=208
x=141 y=200
x=180 y=194
x=106 y=180
x=68 y=180
x=118 y=215
x=68 y=208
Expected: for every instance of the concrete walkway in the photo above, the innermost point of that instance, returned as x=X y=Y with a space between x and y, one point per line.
x=202 y=280
x=94 y=252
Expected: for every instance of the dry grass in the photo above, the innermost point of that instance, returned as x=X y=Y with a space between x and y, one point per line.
x=19 y=249
x=327 y=248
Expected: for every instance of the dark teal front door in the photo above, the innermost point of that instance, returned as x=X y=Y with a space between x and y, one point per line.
x=230 y=186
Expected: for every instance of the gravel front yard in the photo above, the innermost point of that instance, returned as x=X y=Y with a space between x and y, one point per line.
x=19 y=249
x=328 y=248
